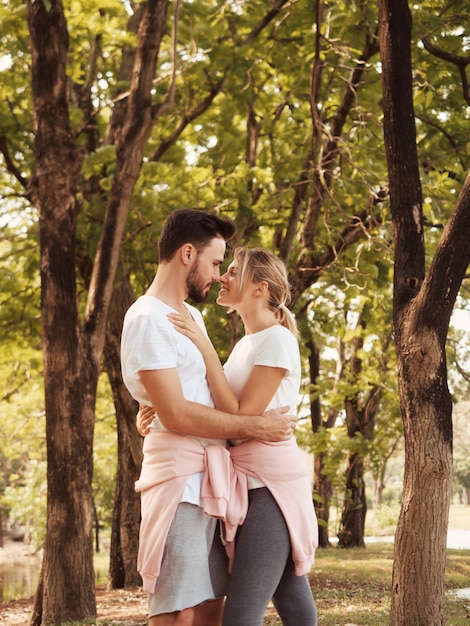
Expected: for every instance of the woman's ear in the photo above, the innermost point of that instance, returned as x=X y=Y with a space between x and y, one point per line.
x=262 y=289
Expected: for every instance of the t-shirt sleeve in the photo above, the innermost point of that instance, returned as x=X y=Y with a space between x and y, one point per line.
x=279 y=348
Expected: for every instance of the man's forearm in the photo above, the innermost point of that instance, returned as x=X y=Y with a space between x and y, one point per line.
x=191 y=418
x=201 y=421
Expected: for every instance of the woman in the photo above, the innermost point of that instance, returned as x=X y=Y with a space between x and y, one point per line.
x=275 y=545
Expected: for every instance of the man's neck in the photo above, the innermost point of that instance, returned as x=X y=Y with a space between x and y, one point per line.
x=167 y=288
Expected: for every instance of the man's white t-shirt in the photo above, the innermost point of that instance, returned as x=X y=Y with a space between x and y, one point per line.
x=150 y=342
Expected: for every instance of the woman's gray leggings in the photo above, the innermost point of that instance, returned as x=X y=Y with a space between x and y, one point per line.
x=263 y=570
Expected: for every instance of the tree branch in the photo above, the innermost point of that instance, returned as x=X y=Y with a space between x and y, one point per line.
x=198 y=110
x=359 y=225
x=131 y=141
x=457 y=60
x=11 y=167
x=447 y=270
x=277 y=7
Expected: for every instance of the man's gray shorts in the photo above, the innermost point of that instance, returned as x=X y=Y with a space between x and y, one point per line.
x=194 y=567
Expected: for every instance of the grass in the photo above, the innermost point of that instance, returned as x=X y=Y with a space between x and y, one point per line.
x=353 y=587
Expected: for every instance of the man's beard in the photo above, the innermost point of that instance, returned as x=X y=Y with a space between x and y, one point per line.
x=197 y=290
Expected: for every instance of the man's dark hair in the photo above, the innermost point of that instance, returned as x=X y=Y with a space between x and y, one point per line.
x=192 y=226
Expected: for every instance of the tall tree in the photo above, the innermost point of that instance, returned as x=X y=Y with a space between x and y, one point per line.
x=72 y=346
x=361 y=408
x=422 y=307
x=126 y=511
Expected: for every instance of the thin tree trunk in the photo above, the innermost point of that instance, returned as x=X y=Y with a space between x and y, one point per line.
x=323 y=492
x=361 y=410
x=378 y=489
x=126 y=511
x=351 y=534
x=321 y=482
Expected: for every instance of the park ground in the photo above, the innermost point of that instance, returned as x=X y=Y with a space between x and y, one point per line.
x=351 y=588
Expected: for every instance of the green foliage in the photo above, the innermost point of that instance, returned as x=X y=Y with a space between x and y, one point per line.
x=22 y=441
x=25 y=499
x=462 y=446
x=387 y=516
x=266 y=101
x=462 y=471
x=338 y=301
x=104 y=454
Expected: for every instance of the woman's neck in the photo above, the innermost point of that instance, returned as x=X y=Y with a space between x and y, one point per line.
x=256 y=321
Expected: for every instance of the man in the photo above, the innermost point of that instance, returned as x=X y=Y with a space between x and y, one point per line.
x=181 y=558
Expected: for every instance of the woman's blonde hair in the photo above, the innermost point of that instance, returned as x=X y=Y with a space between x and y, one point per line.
x=256 y=265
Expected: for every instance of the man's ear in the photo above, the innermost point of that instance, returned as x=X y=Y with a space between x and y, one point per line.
x=187 y=252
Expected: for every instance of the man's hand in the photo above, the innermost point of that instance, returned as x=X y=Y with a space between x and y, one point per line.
x=144 y=418
x=276 y=424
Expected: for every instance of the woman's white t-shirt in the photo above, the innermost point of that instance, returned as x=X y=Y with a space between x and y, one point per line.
x=275 y=346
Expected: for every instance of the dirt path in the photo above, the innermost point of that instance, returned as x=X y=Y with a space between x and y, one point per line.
x=122 y=606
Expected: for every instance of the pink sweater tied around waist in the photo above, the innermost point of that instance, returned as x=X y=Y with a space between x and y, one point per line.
x=169 y=459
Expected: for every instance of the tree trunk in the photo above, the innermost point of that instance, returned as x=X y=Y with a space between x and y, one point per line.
x=378 y=486
x=321 y=482
x=351 y=534
x=70 y=389
x=69 y=386
x=420 y=543
x=419 y=566
x=126 y=511
x=361 y=410
x=72 y=352
x=421 y=311
x=323 y=491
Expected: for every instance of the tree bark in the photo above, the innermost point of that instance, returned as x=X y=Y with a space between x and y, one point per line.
x=361 y=410
x=422 y=309
x=73 y=351
x=321 y=482
x=323 y=492
x=126 y=511
x=418 y=589
x=351 y=534
x=69 y=392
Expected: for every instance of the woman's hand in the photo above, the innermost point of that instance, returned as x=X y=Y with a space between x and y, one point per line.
x=144 y=418
x=187 y=326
